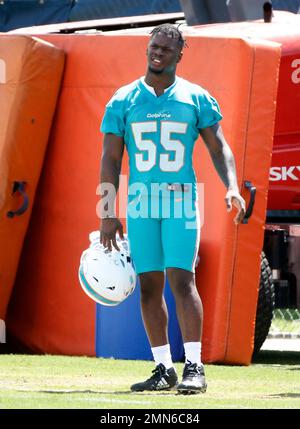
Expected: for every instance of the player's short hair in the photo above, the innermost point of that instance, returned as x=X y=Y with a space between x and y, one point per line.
x=171 y=31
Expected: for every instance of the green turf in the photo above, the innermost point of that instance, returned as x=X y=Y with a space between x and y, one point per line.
x=33 y=381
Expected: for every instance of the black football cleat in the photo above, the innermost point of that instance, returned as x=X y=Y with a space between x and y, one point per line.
x=193 y=379
x=162 y=379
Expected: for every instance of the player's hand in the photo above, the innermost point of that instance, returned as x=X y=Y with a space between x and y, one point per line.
x=234 y=198
x=108 y=230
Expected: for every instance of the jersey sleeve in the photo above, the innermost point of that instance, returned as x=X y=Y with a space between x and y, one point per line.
x=113 y=120
x=208 y=111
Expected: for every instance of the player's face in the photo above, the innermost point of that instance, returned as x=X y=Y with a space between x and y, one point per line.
x=163 y=54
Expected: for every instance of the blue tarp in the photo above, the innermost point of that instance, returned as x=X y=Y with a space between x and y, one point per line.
x=288 y=5
x=27 y=13
x=98 y=9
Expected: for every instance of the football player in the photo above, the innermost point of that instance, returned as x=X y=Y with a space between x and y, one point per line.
x=159 y=117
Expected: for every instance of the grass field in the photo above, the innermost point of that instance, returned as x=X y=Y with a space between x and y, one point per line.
x=52 y=382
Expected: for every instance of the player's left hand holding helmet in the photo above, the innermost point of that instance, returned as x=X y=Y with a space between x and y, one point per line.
x=108 y=277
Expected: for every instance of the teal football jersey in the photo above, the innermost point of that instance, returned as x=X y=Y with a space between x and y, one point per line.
x=160 y=132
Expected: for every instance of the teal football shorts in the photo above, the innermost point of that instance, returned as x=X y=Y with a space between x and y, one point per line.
x=163 y=232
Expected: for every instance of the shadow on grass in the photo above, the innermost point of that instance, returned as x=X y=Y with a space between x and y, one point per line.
x=106 y=392
x=285 y=395
x=95 y=392
x=277 y=357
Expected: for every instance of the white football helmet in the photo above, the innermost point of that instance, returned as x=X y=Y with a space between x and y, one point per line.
x=107 y=277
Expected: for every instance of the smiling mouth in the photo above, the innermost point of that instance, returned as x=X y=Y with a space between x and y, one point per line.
x=156 y=61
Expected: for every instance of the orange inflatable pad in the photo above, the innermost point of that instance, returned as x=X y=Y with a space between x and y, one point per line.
x=244 y=78
x=30 y=75
x=60 y=318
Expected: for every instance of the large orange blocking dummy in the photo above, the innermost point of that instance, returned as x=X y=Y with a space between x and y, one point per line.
x=60 y=318
x=30 y=76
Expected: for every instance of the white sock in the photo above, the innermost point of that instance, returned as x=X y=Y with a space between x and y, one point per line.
x=193 y=352
x=162 y=354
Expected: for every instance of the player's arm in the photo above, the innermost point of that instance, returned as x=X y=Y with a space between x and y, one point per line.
x=112 y=153
x=224 y=163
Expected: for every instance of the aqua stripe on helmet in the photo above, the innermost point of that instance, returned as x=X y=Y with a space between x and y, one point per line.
x=94 y=293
